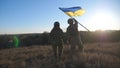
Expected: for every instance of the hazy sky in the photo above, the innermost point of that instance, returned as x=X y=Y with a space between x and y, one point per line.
x=38 y=16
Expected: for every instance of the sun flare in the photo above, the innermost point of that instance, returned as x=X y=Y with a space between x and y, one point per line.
x=102 y=21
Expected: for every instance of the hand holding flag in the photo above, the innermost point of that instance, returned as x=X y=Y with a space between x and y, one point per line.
x=74 y=11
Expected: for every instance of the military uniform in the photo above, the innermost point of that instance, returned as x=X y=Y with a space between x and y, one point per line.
x=56 y=36
x=73 y=35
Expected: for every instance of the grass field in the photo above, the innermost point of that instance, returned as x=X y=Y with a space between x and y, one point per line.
x=95 y=55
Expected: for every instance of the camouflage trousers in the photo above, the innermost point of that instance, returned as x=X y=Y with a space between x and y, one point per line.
x=73 y=48
x=58 y=50
x=74 y=42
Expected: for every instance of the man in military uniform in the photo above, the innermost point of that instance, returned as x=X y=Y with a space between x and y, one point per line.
x=56 y=36
x=73 y=35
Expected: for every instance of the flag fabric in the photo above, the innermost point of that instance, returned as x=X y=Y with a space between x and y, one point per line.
x=73 y=11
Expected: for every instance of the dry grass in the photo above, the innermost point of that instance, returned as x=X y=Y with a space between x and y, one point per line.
x=96 y=55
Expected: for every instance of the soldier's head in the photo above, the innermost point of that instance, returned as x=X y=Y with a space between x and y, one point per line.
x=56 y=24
x=70 y=21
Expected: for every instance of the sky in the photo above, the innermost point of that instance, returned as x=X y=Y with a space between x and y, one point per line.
x=38 y=16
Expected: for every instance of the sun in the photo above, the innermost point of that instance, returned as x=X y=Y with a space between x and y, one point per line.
x=102 y=21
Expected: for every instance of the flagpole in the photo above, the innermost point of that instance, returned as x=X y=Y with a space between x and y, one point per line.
x=81 y=24
x=77 y=21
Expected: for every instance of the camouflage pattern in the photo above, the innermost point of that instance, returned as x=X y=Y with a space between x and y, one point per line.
x=73 y=35
x=56 y=37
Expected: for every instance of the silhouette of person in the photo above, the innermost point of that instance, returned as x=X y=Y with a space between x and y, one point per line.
x=73 y=36
x=56 y=36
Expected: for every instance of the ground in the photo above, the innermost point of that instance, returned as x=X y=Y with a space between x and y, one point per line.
x=95 y=55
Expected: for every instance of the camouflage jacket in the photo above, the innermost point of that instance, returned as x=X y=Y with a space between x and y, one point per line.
x=56 y=35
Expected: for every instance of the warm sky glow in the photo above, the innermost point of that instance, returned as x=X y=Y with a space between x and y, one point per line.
x=102 y=21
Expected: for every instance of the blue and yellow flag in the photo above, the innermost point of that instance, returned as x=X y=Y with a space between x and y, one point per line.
x=73 y=11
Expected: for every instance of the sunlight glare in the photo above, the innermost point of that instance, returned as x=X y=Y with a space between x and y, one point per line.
x=102 y=21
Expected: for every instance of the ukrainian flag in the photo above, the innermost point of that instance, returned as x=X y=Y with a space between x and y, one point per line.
x=73 y=11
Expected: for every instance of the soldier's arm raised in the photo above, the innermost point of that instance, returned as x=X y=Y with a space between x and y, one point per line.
x=75 y=22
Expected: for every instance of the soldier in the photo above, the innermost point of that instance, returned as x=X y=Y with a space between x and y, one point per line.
x=56 y=36
x=73 y=35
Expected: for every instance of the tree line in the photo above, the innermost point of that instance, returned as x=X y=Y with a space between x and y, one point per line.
x=6 y=41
